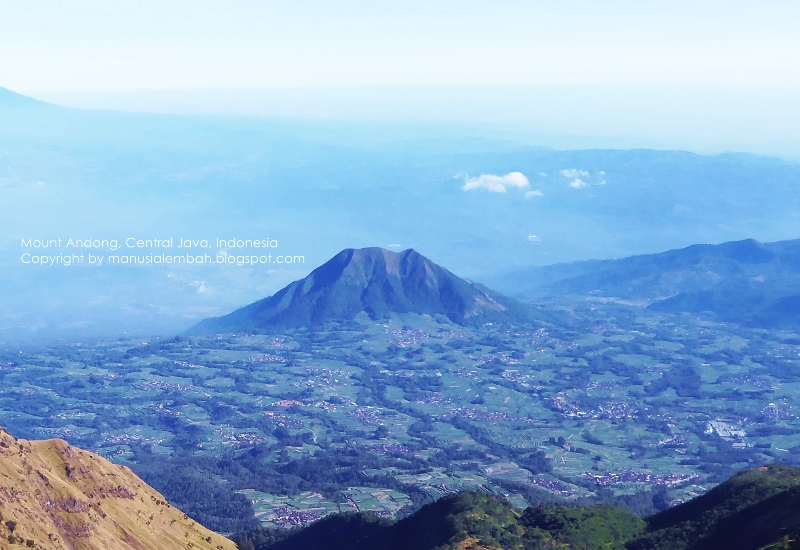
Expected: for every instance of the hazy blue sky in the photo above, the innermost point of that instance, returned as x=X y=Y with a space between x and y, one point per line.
x=147 y=45
x=707 y=75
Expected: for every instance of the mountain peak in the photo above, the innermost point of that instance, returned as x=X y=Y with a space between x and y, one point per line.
x=374 y=281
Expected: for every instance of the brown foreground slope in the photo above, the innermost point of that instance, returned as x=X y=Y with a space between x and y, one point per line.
x=54 y=496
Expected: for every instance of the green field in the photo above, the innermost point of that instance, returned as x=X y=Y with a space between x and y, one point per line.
x=610 y=408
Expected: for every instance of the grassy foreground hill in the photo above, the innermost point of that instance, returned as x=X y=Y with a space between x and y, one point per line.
x=57 y=497
x=758 y=508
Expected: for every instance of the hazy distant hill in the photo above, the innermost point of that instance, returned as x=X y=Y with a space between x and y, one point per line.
x=754 y=509
x=57 y=497
x=13 y=100
x=745 y=281
x=374 y=281
x=321 y=186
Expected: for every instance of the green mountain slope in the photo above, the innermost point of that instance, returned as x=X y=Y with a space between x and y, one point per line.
x=374 y=281
x=755 y=509
x=462 y=521
x=751 y=510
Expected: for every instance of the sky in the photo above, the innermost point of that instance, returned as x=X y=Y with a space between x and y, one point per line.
x=145 y=45
x=711 y=75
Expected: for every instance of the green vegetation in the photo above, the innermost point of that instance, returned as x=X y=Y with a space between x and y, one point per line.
x=639 y=411
x=465 y=520
x=580 y=527
x=442 y=524
x=377 y=282
x=746 y=512
x=759 y=508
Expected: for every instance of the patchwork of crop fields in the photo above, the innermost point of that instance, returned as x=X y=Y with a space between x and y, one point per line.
x=637 y=403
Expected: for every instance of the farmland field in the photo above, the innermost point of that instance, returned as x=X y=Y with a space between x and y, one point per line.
x=383 y=416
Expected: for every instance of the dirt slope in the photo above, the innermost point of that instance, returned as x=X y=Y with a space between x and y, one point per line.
x=54 y=496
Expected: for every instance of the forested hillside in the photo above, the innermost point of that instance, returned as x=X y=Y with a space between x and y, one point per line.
x=755 y=509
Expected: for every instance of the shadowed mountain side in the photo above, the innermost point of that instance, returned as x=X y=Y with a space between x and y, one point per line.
x=751 y=510
x=377 y=282
x=744 y=281
x=54 y=496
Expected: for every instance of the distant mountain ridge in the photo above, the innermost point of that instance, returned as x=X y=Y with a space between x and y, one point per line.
x=327 y=179
x=10 y=99
x=744 y=281
x=374 y=281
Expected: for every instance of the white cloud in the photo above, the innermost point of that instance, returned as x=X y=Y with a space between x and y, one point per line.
x=534 y=238
x=582 y=178
x=534 y=193
x=496 y=184
x=574 y=173
x=543 y=174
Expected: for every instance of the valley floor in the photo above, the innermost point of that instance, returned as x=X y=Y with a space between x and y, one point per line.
x=642 y=410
